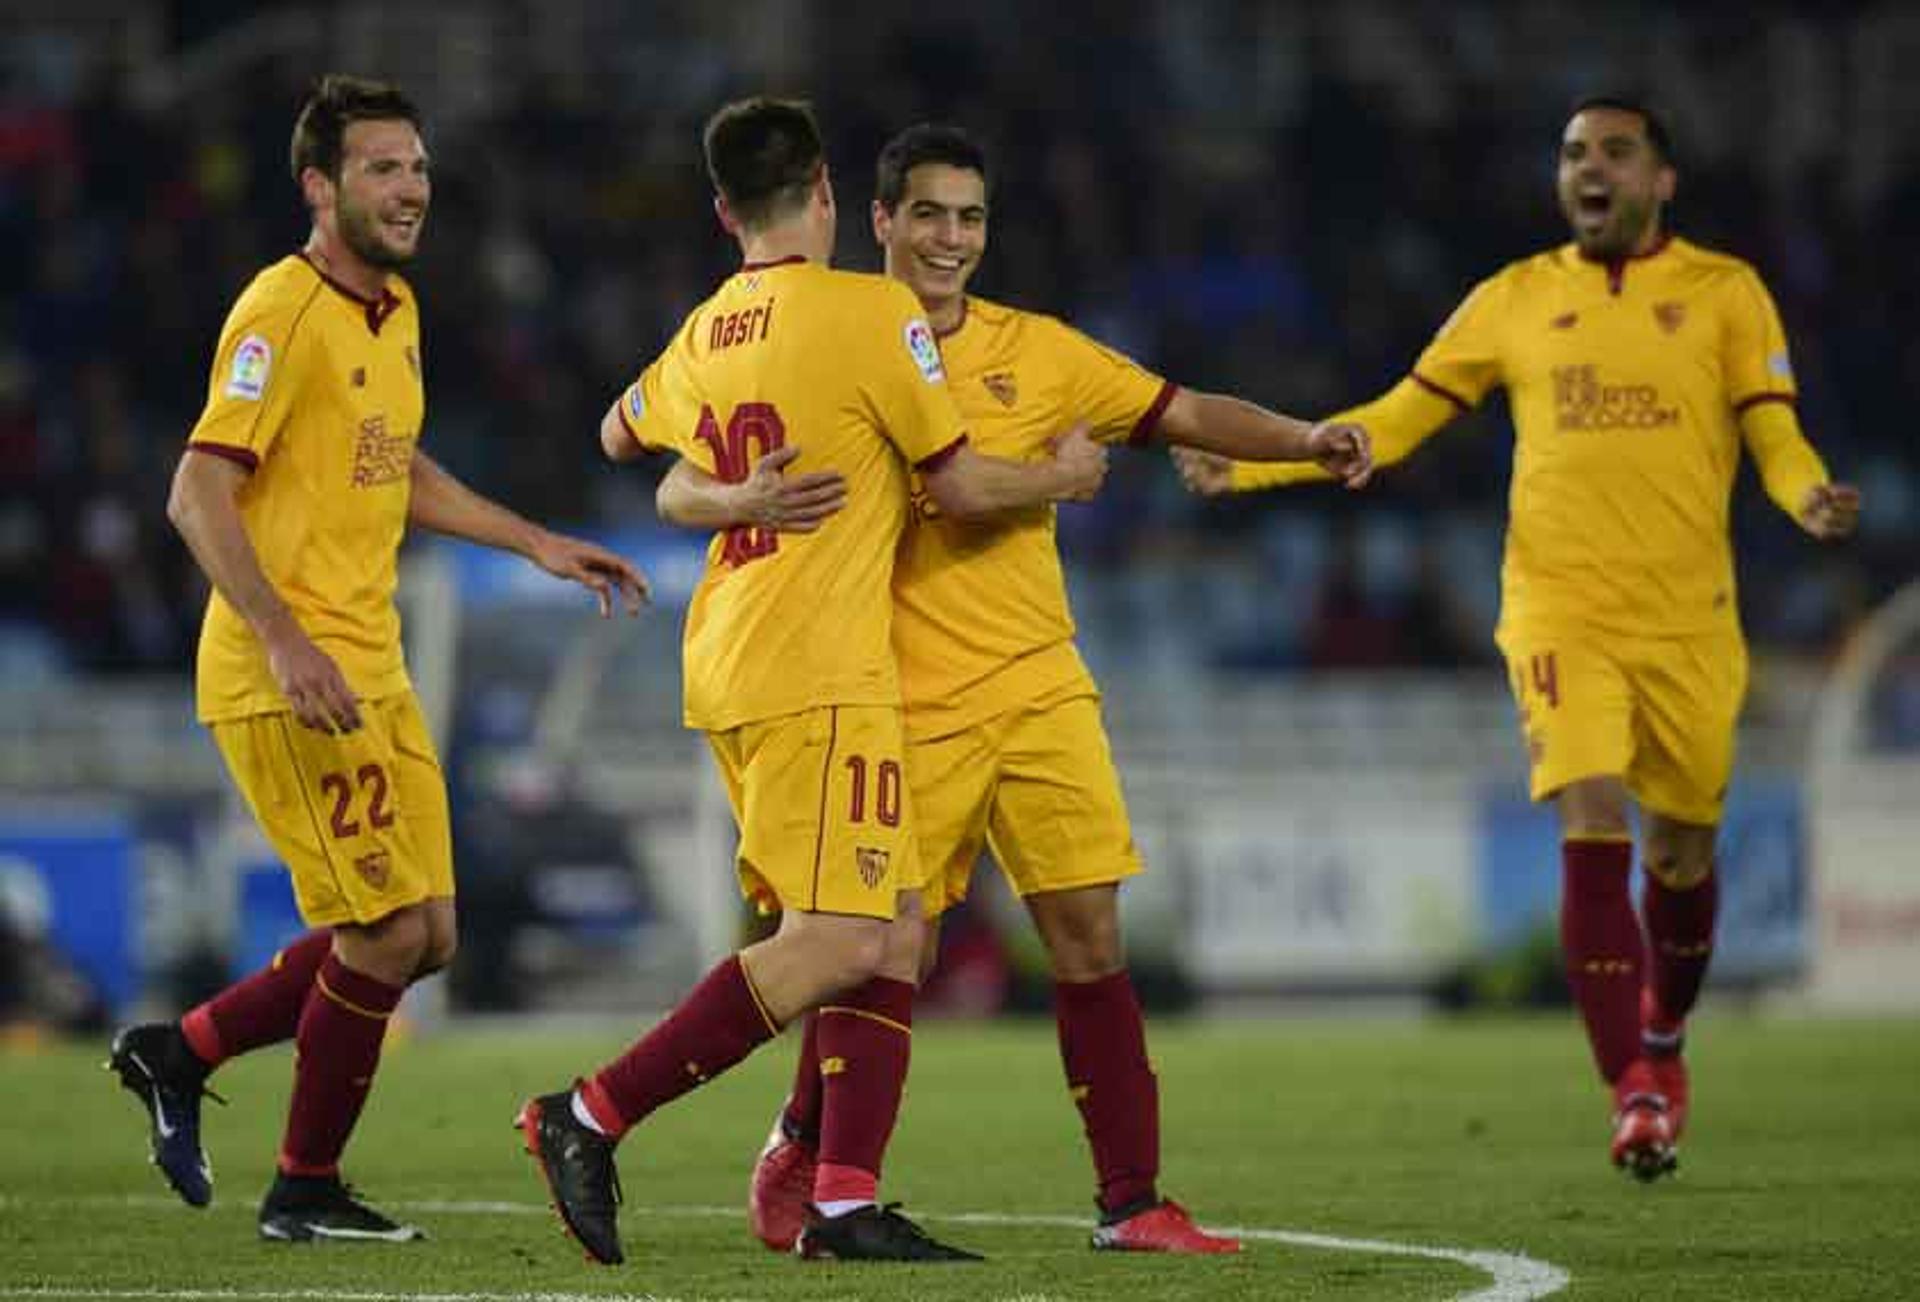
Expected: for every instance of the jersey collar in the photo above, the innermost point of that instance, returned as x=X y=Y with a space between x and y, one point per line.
x=954 y=329
x=377 y=309
x=773 y=262
x=1616 y=268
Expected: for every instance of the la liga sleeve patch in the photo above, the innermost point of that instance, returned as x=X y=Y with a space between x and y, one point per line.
x=252 y=361
x=925 y=351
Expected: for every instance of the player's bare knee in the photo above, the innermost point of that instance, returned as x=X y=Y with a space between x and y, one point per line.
x=1679 y=863
x=1680 y=856
x=856 y=954
x=391 y=949
x=1594 y=808
x=905 y=952
x=438 y=956
x=1082 y=934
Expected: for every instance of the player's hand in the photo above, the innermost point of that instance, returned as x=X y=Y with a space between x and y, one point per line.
x=311 y=682
x=592 y=566
x=1081 y=462
x=1343 y=450
x=1207 y=473
x=773 y=499
x=1830 y=510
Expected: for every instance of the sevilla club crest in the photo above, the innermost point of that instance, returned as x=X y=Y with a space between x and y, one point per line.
x=872 y=865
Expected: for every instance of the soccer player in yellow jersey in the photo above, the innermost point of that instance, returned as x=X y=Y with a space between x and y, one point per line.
x=1637 y=364
x=1005 y=745
x=790 y=673
x=297 y=484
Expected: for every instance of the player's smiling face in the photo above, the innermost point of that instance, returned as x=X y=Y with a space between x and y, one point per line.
x=1612 y=182
x=936 y=235
x=380 y=203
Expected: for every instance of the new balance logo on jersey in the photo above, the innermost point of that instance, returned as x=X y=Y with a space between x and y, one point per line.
x=1564 y=321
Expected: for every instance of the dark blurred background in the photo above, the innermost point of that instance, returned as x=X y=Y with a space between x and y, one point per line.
x=1278 y=200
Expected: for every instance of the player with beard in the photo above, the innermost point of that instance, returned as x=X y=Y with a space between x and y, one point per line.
x=1637 y=365
x=1005 y=744
x=297 y=485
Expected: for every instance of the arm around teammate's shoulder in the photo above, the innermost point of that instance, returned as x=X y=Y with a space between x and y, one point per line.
x=770 y=498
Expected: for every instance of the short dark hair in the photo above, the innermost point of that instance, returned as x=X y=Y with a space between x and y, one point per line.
x=1657 y=134
x=763 y=155
x=928 y=142
x=335 y=102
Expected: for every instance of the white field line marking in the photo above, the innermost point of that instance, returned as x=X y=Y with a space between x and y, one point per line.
x=1516 y=1278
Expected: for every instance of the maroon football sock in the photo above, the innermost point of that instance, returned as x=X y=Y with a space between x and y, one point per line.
x=720 y=1022
x=1601 y=945
x=260 y=1009
x=1680 y=942
x=336 y=1051
x=804 y=1104
x=865 y=1038
x=1103 y=1045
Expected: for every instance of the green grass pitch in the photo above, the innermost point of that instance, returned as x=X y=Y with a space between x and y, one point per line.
x=1800 y=1179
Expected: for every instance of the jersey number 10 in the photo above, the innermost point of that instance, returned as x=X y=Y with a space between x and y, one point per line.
x=752 y=424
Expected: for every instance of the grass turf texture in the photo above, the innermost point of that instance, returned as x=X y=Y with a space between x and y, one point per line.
x=1800 y=1178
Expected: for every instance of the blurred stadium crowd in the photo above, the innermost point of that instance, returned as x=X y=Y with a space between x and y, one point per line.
x=1279 y=200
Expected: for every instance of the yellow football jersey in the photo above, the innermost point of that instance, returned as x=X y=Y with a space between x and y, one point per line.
x=1627 y=383
x=317 y=392
x=843 y=366
x=981 y=622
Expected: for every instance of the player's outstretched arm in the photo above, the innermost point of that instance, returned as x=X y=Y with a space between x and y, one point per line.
x=203 y=508
x=769 y=497
x=1234 y=428
x=969 y=485
x=1395 y=424
x=445 y=505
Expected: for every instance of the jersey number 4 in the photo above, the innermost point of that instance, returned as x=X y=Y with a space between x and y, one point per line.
x=752 y=425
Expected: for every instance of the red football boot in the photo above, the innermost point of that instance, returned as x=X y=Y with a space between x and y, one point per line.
x=1664 y=1044
x=1642 y=1130
x=1163 y=1227
x=782 y=1187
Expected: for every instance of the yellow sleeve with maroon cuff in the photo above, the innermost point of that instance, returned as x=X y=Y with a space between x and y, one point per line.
x=1119 y=399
